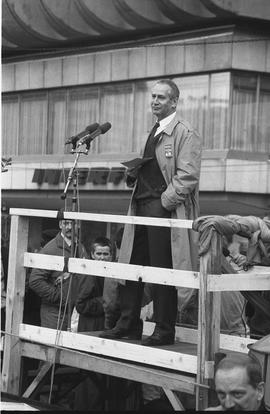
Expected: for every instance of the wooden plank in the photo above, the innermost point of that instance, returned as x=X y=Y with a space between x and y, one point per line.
x=238 y=282
x=14 y=304
x=235 y=343
x=44 y=261
x=110 y=218
x=227 y=342
x=162 y=358
x=174 y=400
x=208 y=318
x=122 y=369
x=37 y=380
x=170 y=277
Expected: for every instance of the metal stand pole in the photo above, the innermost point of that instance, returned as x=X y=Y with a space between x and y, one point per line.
x=73 y=175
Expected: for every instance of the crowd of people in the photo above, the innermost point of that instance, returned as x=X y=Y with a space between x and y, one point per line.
x=165 y=185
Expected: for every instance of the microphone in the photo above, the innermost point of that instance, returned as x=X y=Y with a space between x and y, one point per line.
x=88 y=130
x=101 y=129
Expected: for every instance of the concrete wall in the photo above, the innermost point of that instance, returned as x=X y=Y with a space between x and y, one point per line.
x=189 y=56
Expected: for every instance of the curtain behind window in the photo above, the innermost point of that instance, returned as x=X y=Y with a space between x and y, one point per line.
x=143 y=118
x=219 y=111
x=83 y=110
x=116 y=107
x=10 y=126
x=33 y=124
x=57 y=123
x=243 y=134
x=193 y=103
x=263 y=137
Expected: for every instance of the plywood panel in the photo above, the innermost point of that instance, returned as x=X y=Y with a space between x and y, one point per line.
x=36 y=74
x=137 y=63
x=86 y=68
x=174 y=59
x=155 y=57
x=8 y=77
x=102 y=71
x=120 y=65
x=70 y=70
x=21 y=75
x=53 y=73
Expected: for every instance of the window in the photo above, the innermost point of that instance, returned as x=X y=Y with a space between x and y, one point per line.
x=10 y=125
x=244 y=113
x=116 y=107
x=229 y=110
x=218 y=132
x=193 y=102
x=263 y=131
x=33 y=124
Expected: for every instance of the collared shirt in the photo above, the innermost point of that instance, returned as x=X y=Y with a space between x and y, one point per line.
x=164 y=122
x=68 y=241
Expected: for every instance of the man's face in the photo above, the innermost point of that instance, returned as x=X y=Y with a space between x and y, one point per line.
x=102 y=253
x=162 y=104
x=66 y=228
x=234 y=391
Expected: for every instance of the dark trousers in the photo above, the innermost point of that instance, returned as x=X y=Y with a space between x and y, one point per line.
x=152 y=247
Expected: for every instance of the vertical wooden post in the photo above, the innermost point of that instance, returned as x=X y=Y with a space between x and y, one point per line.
x=208 y=318
x=14 y=304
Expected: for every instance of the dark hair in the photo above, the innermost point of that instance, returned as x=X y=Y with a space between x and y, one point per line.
x=174 y=88
x=252 y=366
x=101 y=241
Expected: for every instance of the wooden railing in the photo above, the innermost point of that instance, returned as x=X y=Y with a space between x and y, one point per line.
x=92 y=352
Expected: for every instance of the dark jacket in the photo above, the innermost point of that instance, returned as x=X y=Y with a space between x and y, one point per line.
x=43 y=283
x=89 y=303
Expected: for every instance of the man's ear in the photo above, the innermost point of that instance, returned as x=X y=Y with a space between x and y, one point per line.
x=174 y=100
x=260 y=390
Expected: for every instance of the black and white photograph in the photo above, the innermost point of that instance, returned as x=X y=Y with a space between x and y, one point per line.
x=135 y=205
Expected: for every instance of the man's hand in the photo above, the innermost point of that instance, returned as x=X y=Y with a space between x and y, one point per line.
x=62 y=278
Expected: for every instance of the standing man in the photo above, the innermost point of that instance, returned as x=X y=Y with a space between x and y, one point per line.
x=54 y=287
x=166 y=186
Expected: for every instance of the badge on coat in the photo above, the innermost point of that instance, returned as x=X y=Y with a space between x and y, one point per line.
x=168 y=150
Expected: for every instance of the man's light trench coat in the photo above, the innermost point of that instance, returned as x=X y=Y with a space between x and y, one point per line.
x=181 y=172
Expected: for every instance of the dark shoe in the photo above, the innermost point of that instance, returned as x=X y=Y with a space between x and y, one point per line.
x=156 y=340
x=118 y=333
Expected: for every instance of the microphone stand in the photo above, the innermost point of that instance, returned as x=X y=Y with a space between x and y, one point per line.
x=73 y=175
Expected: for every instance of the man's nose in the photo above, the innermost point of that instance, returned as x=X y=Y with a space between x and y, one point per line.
x=229 y=402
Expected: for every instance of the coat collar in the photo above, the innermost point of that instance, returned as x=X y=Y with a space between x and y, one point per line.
x=59 y=242
x=170 y=127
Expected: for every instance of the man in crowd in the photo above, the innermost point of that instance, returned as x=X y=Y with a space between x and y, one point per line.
x=166 y=186
x=89 y=303
x=54 y=287
x=239 y=385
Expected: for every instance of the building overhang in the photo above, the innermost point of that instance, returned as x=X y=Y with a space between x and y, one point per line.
x=31 y=27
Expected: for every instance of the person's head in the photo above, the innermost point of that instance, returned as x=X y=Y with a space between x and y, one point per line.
x=101 y=249
x=165 y=95
x=238 y=382
x=66 y=228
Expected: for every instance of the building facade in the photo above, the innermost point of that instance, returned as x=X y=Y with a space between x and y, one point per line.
x=68 y=64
